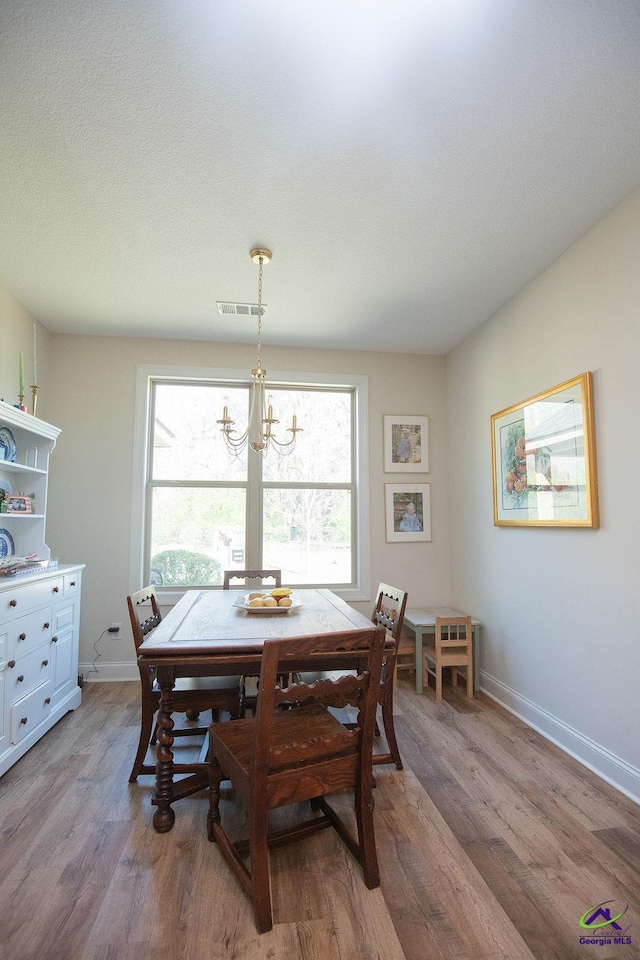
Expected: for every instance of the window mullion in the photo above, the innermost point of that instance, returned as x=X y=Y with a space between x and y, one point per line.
x=254 y=511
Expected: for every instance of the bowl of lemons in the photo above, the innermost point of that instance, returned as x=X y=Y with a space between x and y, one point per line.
x=278 y=600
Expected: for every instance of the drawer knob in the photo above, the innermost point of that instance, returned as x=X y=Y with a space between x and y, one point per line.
x=56 y=589
x=54 y=639
x=21 y=678
x=72 y=584
x=24 y=720
x=11 y=663
x=13 y=603
x=48 y=701
x=22 y=636
x=45 y=663
x=45 y=626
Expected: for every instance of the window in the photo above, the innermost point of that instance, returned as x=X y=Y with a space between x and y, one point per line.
x=206 y=510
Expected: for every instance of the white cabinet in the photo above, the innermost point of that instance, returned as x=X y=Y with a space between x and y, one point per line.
x=39 y=607
x=39 y=616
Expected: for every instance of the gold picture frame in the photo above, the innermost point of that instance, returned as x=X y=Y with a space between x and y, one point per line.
x=544 y=459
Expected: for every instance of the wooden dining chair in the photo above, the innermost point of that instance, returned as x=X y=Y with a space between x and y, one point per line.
x=286 y=757
x=191 y=695
x=251 y=575
x=388 y=612
x=452 y=646
x=251 y=683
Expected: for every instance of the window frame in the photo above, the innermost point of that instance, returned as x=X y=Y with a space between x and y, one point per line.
x=145 y=373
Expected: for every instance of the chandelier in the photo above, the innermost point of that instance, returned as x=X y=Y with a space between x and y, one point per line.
x=259 y=433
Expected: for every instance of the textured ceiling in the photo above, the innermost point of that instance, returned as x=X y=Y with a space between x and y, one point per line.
x=411 y=163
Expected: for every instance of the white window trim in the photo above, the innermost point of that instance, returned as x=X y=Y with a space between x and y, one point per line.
x=147 y=372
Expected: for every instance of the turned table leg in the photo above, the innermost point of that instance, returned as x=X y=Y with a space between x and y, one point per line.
x=164 y=816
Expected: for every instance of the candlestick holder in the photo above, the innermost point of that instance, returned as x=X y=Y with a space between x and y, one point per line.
x=21 y=403
x=34 y=398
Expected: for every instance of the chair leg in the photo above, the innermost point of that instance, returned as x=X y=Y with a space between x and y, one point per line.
x=438 y=682
x=470 y=681
x=259 y=855
x=237 y=713
x=366 y=837
x=213 y=816
x=389 y=727
x=146 y=723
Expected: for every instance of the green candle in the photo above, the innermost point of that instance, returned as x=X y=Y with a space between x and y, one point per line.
x=21 y=374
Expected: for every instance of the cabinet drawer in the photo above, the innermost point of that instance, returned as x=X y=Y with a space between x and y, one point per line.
x=72 y=584
x=31 y=631
x=24 y=598
x=30 y=711
x=28 y=672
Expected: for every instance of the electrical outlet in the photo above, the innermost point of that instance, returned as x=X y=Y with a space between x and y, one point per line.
x=115 y=628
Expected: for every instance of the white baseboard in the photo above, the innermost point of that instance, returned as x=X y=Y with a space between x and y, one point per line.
x=108 y=672
x=620 y=774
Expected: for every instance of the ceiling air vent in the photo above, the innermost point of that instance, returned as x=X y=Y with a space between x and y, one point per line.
x=240 y=309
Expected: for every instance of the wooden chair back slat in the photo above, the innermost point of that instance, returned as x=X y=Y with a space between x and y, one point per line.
x=141 y=626
x=245 y=575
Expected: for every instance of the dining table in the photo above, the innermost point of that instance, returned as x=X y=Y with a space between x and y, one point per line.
x=213 y=633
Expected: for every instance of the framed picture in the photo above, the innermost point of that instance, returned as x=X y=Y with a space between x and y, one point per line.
x=18 y=504
x=406 y=444
x=544 y=459
x=408 y=512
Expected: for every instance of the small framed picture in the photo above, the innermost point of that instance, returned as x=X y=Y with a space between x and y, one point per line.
x=16 y=503
x=408 y=512
x=406 y=444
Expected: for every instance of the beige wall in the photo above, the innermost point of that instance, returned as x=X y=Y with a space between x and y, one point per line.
x=92 y=400
x=16 y=334
x=559 y=607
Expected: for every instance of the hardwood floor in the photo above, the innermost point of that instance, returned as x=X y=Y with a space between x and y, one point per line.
x=492 y=844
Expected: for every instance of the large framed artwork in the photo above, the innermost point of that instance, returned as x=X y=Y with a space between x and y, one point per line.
x=408 y=512
x=406 y=444
x=544 y=459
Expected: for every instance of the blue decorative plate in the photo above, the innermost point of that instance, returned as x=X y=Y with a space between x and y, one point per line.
x=7 y=445
x=7 y=546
